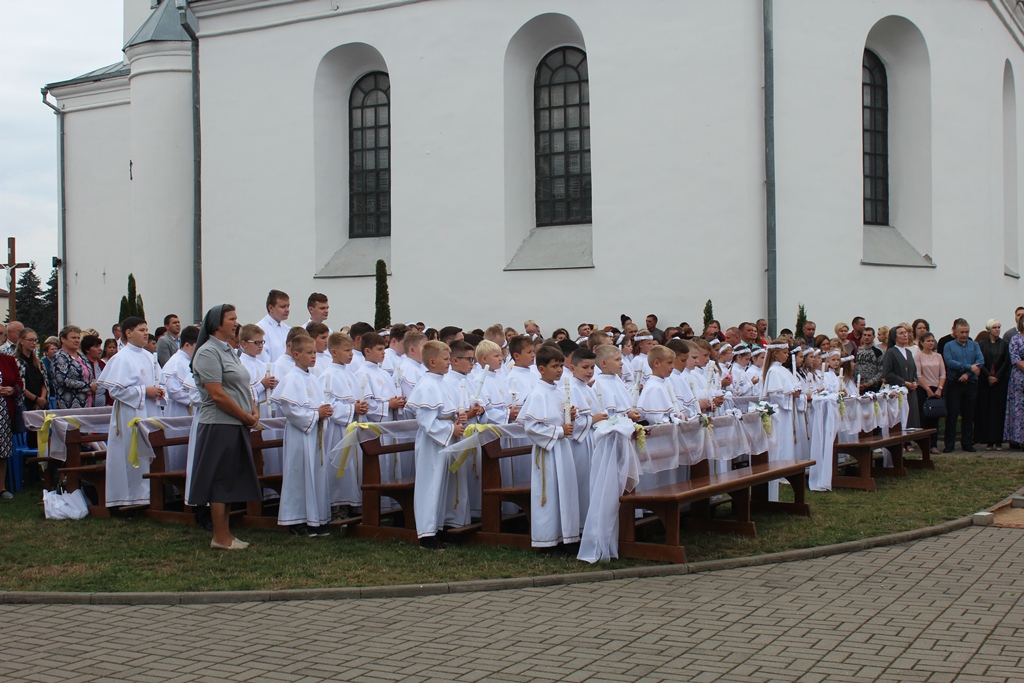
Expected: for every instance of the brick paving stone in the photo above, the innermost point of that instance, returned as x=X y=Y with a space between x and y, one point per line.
x=941 y=609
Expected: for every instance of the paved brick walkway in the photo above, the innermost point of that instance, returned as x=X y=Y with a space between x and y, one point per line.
x=946 y=608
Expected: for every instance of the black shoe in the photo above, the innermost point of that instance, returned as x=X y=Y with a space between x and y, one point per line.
x=298 y=530
x=432 y=543
x=969 y=449
x=947 y=450
x=314 y=531
x=203 y=518
x=549 y=551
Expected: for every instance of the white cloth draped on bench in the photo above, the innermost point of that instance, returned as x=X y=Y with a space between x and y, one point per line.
x=58 y=422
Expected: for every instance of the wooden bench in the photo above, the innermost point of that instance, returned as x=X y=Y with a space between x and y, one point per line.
x=861 y=451
x=261 y=513
x=374 y=489
x=495 y=492
x=159 y=477
x=747 y=486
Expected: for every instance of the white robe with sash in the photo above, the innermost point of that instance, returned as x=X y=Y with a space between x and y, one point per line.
x=779 y=385
x=176 y=378
x=554 y=504
x=341 y=389
x=304 y=496
x=434 y=494
x=125 y=378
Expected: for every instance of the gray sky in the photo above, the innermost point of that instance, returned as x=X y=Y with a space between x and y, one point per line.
x=42 y=41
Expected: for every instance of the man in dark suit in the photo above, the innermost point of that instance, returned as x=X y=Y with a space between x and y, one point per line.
x=964 y=361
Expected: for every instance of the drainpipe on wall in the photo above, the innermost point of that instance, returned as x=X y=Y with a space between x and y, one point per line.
x=769 y=170
x=184 y=16
x=63 y=210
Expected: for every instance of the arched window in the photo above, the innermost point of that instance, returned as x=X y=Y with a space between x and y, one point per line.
x=876 y=141
x=562 y=138
x=369 y=171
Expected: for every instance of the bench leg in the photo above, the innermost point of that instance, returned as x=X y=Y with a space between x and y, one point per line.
x=863 y=481
x=799 y=506
x=925 y=463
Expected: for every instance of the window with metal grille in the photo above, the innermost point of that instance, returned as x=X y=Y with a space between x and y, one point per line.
x=562 y=138
x=876 y=141
x=369 y=173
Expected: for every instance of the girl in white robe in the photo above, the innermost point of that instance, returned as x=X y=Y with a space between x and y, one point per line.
x=130 y=379
x=301 y=400
x=584 y=398
x=780 y=387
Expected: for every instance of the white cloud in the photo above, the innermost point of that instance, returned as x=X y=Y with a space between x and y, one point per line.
x=43 y=41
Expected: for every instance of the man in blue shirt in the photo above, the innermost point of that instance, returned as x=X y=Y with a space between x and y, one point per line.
x=963 y=361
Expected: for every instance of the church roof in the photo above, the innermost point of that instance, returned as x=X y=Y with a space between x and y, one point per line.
x=112 y=71
x=162 y=24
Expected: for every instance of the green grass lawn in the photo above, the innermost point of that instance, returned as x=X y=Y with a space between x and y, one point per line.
x=130 y=554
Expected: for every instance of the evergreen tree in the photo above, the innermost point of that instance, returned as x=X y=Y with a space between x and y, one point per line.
x=131 y=305
x=801 y=319
x=382 y=312
x=48 y=324
x=28 y=298
x=709 y=313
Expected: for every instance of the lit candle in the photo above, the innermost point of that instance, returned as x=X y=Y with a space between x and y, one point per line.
x=568 y=409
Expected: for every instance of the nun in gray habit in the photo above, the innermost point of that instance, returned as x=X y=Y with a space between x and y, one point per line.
x=222 y=471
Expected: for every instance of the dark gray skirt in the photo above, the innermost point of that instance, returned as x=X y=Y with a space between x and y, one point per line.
x=222 y=468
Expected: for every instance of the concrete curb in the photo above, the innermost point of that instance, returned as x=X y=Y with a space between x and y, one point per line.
x=420 y=590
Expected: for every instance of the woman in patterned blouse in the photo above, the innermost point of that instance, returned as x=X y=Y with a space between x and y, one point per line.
x=73 y=383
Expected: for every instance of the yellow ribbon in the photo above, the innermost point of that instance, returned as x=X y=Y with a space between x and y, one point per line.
x=133 y=450
x=43 y=437
x=538 y=460
x=470 y=431
x=353 y=426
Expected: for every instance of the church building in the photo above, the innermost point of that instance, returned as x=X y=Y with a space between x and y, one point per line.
x=561 y=160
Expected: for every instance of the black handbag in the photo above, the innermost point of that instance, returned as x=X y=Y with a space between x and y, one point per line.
x=934 y=408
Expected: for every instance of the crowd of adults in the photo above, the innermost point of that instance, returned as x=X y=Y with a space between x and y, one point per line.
x=979 y=380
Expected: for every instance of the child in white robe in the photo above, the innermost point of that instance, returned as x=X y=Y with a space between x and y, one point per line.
x=377 y=388
x=439 y=425
x=176 y=378
x=410 y=367
x=300 y=398
x=341 y=388
x=356 y=332
x=130 y=379
x=547 y=415
x=741 y=384
x=780 y=387
x=519 y=383
x=261 y=378
x=395 y=353
x=688 y=404
x=456 y=381
x=320 y=332
x=588 y=414
x=657 y=405
x=285 y=363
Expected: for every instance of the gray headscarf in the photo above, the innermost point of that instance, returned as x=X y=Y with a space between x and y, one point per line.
x=211 y=322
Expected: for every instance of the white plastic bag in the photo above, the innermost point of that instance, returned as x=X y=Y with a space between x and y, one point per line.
x=71 y=505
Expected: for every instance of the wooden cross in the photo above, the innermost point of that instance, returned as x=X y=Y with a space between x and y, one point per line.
x=11 y=267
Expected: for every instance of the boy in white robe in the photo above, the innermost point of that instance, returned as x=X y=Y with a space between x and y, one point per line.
x=356 y=332
x=687 y=402
x=396 y=349
x=261 y=378
x=341 y=388
x=456 y=381
x=439 y=425
x=286 y=362
x=547 y=415
x=519 y=382
x=410 y=367
x=305 y=503
x=377 y=388
x=176 y=378
x=130 y=379
x=319 y=332
x=274 y=325
x=588 y=414
x=657 y=405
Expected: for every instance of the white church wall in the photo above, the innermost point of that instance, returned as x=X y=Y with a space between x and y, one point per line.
x=819 y=48
x=98 y=195
x=667 y=136
x=162 y=186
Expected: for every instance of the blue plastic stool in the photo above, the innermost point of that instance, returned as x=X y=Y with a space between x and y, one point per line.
x=16 y=465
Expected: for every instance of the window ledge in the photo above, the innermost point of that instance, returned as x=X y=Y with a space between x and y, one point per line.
x=1010 y=272
x=884 y=245
x=555 y=247
x=358 y=258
